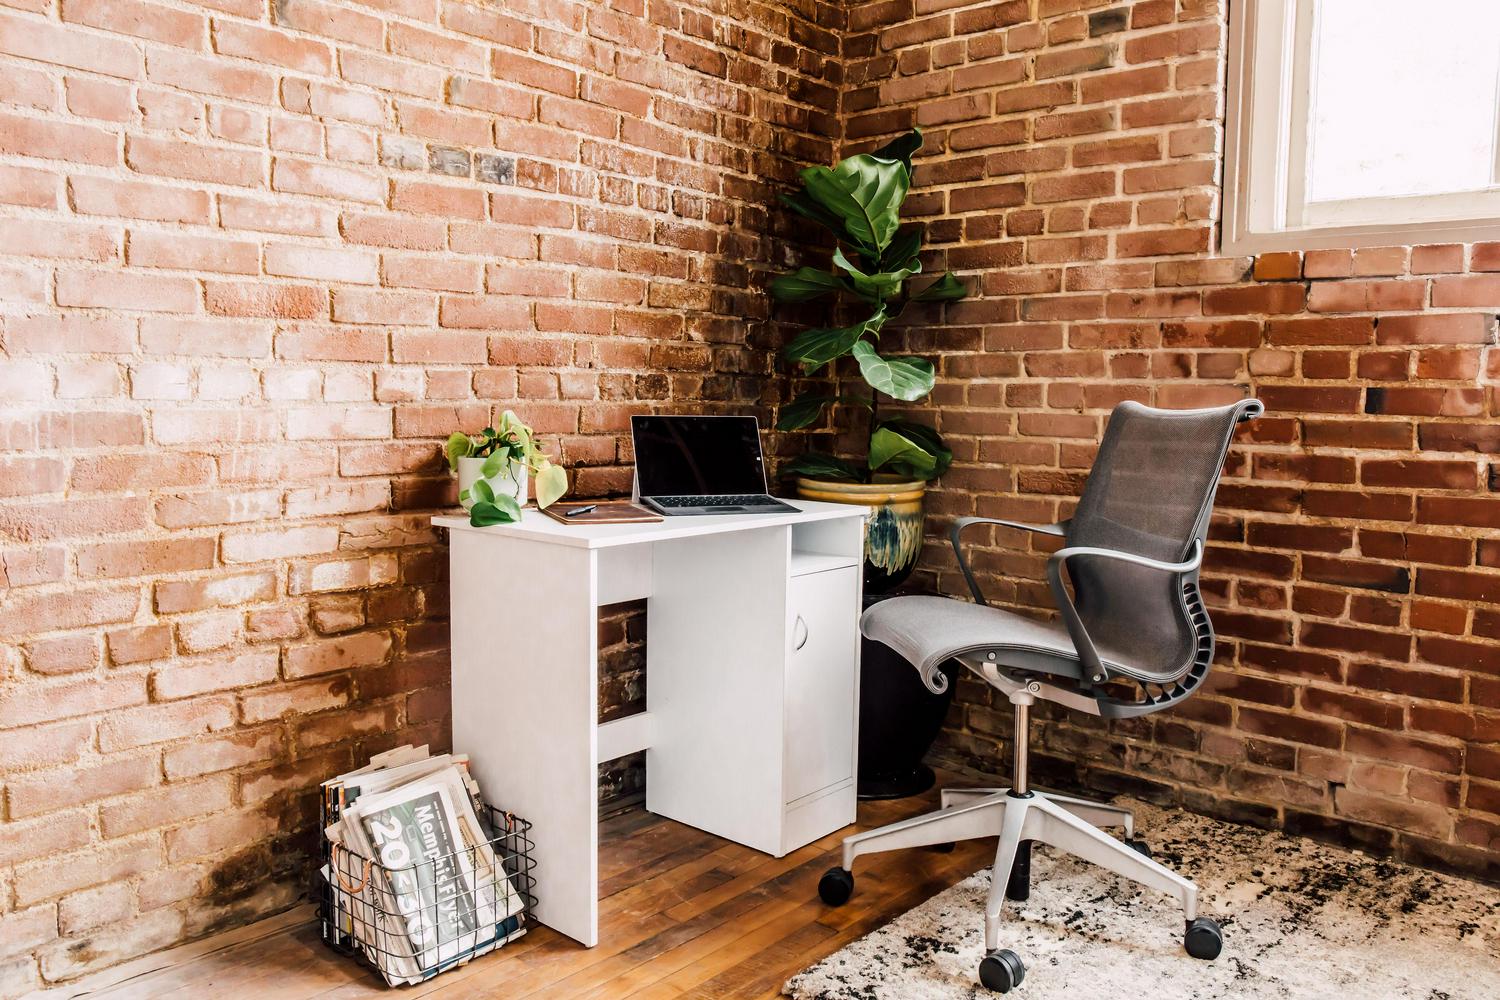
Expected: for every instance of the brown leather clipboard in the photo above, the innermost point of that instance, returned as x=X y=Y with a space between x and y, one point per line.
x=604 y=512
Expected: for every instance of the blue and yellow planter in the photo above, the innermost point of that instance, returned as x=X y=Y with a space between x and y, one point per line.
x=893 y=534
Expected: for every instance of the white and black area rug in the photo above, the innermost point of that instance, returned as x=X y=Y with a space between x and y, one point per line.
x=1302 y=921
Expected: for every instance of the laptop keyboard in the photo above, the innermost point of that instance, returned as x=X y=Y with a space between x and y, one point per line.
x=750 y=500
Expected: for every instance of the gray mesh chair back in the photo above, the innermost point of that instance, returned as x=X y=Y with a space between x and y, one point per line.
x=1150 y=493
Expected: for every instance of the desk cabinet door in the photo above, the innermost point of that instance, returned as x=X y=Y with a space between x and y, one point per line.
x=822 y=661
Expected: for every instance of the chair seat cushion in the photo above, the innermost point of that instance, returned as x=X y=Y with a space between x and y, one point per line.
x=928 y=631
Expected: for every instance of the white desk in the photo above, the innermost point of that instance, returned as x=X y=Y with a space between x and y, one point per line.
x=751 y=681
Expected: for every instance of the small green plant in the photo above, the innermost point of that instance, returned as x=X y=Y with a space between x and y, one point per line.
x=508 y=448
x=859 y=200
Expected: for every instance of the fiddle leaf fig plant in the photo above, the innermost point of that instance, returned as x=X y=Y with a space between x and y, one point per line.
x=859 y=200
x=512 y=449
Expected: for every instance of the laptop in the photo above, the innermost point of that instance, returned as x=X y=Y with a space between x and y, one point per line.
x=701 y=465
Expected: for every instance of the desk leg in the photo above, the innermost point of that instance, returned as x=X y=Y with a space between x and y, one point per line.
x=525 y=706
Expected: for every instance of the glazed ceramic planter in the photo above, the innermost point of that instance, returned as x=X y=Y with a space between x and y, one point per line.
x=512 y=480
x=893 y=535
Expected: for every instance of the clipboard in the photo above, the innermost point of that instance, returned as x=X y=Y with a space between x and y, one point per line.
x=604 y=512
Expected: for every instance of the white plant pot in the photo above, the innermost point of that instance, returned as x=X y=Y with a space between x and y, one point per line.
x=512 y=480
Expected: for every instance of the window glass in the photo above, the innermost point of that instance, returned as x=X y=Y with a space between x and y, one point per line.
x=1402 y=104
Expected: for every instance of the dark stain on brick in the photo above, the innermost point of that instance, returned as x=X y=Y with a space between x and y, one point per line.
x=1374 y=400
x=237 y=877
x=448 y=161
x=1339 y=830
x=83 y=951
x=1105 y=21
x=495 y=169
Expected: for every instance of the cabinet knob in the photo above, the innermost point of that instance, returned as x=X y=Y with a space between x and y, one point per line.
x=800 y=624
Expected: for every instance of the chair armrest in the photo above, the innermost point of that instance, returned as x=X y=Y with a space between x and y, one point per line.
x=1055 y=530
x=1093 y=669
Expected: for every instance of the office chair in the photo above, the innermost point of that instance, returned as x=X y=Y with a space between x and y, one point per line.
x=1134 y=638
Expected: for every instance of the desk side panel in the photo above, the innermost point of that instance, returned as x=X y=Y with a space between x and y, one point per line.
x=525 y=705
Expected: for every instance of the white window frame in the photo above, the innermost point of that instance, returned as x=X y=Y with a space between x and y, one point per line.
x=1267 y=92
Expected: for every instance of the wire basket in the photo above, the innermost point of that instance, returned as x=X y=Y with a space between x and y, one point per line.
x=415 y=922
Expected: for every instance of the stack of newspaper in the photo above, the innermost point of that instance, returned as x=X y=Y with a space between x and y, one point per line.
x=437 y=894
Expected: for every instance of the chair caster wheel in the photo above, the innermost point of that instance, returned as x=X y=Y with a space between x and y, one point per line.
x=836 y=886
x=1001 y=971
x=1203 y=939
x=1140 y=847
x=945 y=848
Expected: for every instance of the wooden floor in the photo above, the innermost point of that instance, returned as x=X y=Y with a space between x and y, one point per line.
x=682 y=914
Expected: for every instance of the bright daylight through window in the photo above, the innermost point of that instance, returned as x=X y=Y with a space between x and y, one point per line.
x=1362 y=122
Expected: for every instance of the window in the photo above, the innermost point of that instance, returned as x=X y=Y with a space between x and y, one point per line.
x=1362 y=123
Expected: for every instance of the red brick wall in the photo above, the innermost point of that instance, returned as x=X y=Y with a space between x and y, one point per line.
x=256 y=261
x=1071 y=169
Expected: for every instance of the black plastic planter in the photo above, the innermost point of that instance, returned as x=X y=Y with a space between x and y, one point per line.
x=898 y=720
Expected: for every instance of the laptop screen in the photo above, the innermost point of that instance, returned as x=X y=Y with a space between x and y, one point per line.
x=696 y=456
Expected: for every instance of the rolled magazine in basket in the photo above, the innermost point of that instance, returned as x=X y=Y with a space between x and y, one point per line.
x=429 y=892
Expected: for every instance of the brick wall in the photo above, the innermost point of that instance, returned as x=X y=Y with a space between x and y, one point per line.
x=1071 y=170
x=256 y=260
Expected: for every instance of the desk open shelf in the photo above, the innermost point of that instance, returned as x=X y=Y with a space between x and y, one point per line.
x=803 y=563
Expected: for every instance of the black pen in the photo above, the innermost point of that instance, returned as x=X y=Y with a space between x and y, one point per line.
x=580 y=510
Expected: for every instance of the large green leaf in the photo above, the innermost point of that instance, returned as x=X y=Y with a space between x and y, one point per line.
x=905 y=246
x=812 y=349
x=904 y=378
x=866 y=193
x=946 y=289
x=806 y=283
x=499 y=509
x=504 y=461
x=880 y=286
x=803 y=204
x=803 y=412
x=816 y=465
x=551 y=483
x=923 y=437
x=901 y=148
x=895 y=452
x=459 y=446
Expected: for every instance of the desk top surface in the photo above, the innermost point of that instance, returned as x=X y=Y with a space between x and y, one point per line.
x=538 y=527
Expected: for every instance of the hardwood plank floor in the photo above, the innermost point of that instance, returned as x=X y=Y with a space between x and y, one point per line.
x=682 y=914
